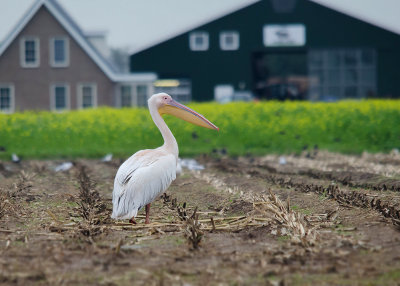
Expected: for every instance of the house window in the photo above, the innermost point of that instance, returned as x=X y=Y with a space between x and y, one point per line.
x=59 y=52
x=198 y=41
x=29 y=52
x=6 y=98
x=141 y=95
x=341 y=73
x=59 y=97
x=126 y=96
x=229 y=41
x=87 y=95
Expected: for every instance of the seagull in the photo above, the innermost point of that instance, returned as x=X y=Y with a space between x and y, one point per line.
x=148 y=173
x=192 y=164
x=282 y=160
x=107 y=158
x=63 y=167
x=15 y=158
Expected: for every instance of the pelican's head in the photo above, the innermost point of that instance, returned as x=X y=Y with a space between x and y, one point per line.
x=166 y=105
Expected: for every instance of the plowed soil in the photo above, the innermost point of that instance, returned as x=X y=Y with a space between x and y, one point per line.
x=55 y=227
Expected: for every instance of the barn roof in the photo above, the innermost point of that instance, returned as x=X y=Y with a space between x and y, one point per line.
x=364 y=10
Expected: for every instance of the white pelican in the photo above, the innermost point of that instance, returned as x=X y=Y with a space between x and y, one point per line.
x=148 y=173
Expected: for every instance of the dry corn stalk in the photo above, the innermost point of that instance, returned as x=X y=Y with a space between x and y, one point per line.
x=273 y=207
x=23 y=185
x=192 y=230
x=4 y=203
x=91 y=206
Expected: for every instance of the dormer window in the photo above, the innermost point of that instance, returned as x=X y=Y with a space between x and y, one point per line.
x=229 y=41
x=198 y=41
x=29 y=52
x=59 y=52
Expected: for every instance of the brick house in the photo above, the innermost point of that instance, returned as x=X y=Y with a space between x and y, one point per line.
x=48 y=63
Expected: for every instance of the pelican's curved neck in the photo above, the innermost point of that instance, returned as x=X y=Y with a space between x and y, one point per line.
x=170 y=143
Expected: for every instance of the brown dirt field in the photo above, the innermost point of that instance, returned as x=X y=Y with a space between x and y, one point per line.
x=319 y=219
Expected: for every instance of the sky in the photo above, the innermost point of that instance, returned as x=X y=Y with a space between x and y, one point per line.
x=133 y=24
x=137 y=24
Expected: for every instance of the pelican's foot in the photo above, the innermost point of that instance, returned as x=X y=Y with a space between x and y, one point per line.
x=147 y=221
x=132 y=220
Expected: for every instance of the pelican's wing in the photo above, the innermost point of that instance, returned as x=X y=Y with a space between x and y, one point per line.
x=140 y=180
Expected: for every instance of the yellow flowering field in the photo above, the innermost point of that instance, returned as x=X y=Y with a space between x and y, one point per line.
x=245 y=128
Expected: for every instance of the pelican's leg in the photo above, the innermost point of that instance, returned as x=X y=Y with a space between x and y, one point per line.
x=147 y=221
x=132 y=220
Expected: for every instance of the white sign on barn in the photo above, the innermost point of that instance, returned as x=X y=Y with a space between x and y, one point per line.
x=290 y=35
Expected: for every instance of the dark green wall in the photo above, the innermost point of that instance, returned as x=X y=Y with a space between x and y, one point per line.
x=325 y=28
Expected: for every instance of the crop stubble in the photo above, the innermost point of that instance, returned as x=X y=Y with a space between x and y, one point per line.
x=249 y=221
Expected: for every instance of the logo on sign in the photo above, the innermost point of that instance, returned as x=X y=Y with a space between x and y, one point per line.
x=290 y=35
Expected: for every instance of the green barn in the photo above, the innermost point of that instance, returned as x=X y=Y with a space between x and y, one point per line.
x=277 y=49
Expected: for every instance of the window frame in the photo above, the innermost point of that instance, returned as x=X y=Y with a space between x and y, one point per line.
x=136 y=86
x=192 y=41
x=222 y=40
x=287 y=7
x=22 y=50
x=80 y=87
x=12 y=97
x=134 y=93
x=132 y=87
x=52 y=53
x=53 y=96
x=322 y=69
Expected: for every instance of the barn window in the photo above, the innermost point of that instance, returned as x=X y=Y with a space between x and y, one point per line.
x=6 y=98
x=29 y=52
x=60 y=97
x=59 y=52
x=199 y=41
x=341 y=73
x=283 y=6
x=229 y=41
x=87 y=95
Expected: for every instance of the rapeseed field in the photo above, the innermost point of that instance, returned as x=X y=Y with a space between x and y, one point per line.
x=245 y=128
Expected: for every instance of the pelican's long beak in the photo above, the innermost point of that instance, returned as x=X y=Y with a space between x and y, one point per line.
x=187 y=114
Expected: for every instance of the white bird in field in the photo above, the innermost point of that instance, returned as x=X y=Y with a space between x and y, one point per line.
x=148 y=173
x=15 y=158
x=107 y=158
x=64 y=167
